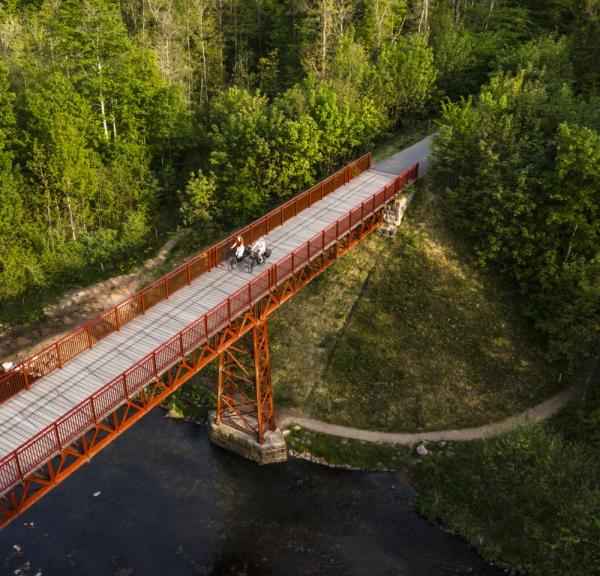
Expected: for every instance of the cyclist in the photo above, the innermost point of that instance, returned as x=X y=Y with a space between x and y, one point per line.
x=259 y=248
x=239 y=248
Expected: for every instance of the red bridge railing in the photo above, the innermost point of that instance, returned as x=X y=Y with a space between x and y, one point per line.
x=87 y=335
x=30 y=456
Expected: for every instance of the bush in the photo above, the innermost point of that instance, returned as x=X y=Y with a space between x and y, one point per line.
x=529 y=498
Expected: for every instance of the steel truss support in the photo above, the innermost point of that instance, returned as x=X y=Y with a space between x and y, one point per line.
x=245 y=398
x=255 y=380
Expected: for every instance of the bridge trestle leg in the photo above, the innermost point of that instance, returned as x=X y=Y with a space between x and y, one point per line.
x=244 y=421
x=262 y=380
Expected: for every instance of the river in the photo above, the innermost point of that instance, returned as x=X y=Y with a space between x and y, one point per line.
x=161 y=500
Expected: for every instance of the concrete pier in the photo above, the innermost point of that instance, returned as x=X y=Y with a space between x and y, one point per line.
x=272 y=450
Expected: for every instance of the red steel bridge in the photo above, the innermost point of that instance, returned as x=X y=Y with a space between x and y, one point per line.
x=63 y=405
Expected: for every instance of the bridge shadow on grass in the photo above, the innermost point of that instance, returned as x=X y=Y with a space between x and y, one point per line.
x=406 y=334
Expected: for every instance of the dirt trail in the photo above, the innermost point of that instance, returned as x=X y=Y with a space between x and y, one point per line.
x=76 y=307
x=538 y=413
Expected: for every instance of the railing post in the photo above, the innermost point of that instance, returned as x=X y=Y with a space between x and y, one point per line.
x=19 y=469
x=274 y=276
x=25 y=375
x=117 y=318
x=143 y=302
x=93 y=409
x=58 y=442
x=189 y=274
x=58 y=358
x=154 y=364
x=89 y=336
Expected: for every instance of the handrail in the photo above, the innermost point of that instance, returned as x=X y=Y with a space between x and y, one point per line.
x=24 y=374
x=14 y=467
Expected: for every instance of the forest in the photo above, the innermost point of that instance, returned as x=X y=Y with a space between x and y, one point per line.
x=120 y=119
x=124 y=120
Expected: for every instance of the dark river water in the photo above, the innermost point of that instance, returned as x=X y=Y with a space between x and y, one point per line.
x=171 y=503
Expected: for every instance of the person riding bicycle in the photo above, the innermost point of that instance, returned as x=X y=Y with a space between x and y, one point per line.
x=239 y=248
x=259 y=248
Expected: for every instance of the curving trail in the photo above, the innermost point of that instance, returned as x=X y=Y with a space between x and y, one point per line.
x=538 y=413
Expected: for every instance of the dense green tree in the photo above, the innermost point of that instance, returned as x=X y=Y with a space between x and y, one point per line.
x=295 y=154
x=239 y=148
x=522 y=182
x=197 y=203
x=585 y=47
x=338 y=125
x=383 y=22
x=454 y=53
x=405 y=78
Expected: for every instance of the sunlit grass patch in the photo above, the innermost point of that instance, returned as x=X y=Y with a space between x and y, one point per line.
x=406 y=334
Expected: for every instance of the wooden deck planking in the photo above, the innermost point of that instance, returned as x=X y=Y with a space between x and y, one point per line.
x=32 y=410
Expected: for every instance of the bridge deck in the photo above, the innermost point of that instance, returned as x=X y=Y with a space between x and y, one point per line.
x=30 y=411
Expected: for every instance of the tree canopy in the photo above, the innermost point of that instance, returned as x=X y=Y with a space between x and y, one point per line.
x=122 y=118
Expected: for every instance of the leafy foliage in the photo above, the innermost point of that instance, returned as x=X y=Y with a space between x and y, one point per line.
x=521 y=180
x=197 y=204
x=529 y=499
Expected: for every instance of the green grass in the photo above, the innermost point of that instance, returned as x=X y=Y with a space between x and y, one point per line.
x=192 y=401
x=529 y=500
x=407 y=334
x=344 y=452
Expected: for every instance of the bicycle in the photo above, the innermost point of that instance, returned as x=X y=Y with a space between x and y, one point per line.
x=233 y=260
x=253 y=259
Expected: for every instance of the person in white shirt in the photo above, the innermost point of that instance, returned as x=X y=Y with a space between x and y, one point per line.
x=259 y=247
x=7 y=366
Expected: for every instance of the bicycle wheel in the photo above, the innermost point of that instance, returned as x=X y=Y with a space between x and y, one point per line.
x=232 y=263
x=251 y=265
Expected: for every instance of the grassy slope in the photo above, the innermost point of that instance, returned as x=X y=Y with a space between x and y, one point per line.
x=407 y=335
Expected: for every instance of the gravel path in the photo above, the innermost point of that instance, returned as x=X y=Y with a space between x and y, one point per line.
x=418 y=152
x=538 y=413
